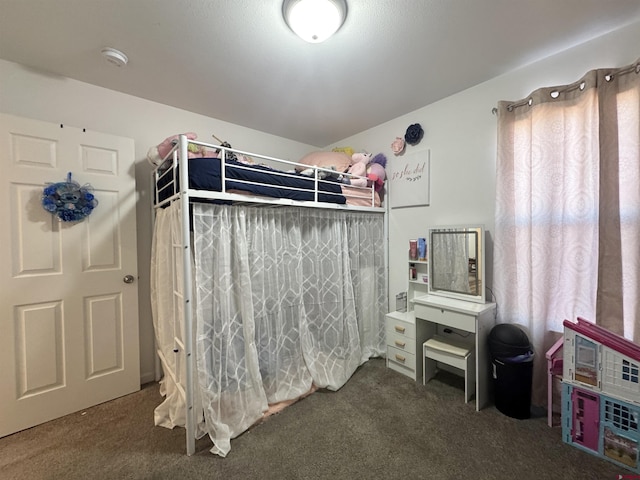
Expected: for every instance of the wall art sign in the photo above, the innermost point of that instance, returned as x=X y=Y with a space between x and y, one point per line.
x=409 y=177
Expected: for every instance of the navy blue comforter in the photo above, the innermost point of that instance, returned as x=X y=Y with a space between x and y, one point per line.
x=204 y=174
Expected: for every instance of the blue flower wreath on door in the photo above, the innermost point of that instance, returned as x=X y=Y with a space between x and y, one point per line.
x=69 y=201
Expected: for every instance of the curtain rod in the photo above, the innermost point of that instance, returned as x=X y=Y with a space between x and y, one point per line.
x=634 y=67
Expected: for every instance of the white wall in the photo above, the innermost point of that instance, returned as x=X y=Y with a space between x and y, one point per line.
x=28 y=93
x=460 y=132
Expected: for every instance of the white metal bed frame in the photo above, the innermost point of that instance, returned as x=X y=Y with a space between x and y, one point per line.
x=176 y=162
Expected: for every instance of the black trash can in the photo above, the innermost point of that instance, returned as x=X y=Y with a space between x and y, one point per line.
x=512 y=365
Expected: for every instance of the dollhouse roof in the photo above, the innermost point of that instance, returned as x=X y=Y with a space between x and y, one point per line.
x=605 y=337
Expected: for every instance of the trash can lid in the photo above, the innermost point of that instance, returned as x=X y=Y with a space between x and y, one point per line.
x=508 y=340
x=509 y=334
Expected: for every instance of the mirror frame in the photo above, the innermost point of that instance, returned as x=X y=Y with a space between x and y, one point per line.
x=480 y=262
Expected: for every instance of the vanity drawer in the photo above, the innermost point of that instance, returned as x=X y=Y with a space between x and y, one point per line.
x=401 y=358
x=400 y=328
x=401 y=342
x=407 y=371
x=446 y=318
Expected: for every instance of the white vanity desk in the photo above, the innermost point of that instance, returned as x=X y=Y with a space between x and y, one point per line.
x=434 y=313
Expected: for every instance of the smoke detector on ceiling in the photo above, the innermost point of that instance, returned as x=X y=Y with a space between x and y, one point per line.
x=115 y=57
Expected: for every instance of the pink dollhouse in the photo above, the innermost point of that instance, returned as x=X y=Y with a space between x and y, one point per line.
x=554 y=370
x=600 y=392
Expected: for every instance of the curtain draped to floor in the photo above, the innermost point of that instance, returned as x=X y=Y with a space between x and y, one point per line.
x=285 y=298
x=567 y=233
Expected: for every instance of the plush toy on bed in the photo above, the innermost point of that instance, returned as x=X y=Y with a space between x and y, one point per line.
x=376 y=172
x=360 y=162
x=322 y=174
x=336 y=162
x=156 y=154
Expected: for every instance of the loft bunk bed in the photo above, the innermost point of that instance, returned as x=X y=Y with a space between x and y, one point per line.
x=255 y=307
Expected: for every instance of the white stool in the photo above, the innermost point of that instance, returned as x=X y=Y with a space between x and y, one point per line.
x=450 y=352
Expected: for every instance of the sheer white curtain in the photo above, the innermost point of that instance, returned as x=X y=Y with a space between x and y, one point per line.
x=285 y=298
x=567 y=235
x=168 y=321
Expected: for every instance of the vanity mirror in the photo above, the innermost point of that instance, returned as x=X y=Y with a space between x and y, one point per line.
x=456 y=262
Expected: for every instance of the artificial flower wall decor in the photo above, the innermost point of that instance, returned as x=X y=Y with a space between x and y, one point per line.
x=414 y=134
x=69 y=201
x=397 y=147
x=412 y=137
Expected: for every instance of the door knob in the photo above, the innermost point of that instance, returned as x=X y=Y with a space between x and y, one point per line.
x=128 y=279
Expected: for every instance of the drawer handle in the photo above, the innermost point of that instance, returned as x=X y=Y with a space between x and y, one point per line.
x=400 y=344
x=400 y=358
x=400 y=329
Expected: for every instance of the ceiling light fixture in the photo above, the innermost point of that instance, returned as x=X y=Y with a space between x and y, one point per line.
x=314 y=20
x=115 y=57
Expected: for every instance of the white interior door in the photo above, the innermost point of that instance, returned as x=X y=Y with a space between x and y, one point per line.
x=68 y=320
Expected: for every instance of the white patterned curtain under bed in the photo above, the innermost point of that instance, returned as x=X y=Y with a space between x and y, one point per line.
x=286 y=298
x=166 y=272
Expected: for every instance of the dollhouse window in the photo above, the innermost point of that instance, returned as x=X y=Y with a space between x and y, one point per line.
x=586 y=361
x=621 y=416
x=586 y=354
x=630 y=371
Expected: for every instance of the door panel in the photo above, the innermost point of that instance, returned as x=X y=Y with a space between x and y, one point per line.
x=31 y=258
x=103 y=334
x=39 y=348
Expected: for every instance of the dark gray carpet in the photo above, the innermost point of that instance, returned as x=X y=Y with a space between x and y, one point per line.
x=380 y=425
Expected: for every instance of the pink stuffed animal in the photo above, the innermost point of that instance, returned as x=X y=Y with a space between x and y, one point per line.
x=157 y=154
x=358 y=167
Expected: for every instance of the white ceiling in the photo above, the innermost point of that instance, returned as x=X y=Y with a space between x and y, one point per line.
x=236 y=60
